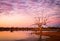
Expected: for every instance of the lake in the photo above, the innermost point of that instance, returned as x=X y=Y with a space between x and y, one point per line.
x=19 y=36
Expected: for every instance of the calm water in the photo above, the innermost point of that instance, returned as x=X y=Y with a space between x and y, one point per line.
x=19 y=36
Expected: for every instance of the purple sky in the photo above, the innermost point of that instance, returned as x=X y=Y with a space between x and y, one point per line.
x=22 y=12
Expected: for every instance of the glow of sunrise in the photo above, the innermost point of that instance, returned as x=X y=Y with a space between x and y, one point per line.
x=22 y=12
x=15 y=21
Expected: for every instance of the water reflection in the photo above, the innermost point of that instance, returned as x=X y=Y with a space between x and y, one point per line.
x=19 y=36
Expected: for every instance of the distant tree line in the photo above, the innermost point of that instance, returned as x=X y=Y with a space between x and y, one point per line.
x=28 y=29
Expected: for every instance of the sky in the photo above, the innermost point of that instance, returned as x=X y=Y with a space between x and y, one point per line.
x=20 y=13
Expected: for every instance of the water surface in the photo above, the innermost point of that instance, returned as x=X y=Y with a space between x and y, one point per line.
x=19 y=36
